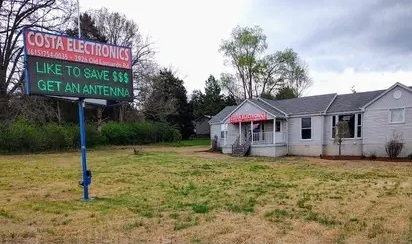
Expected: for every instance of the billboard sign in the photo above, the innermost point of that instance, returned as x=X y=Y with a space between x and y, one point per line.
x=72 y=67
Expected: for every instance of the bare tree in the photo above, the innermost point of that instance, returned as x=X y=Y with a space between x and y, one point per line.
x=15 y=15
x=243 y=50
x=257 y=76
x=123 y=31
x=341 y=132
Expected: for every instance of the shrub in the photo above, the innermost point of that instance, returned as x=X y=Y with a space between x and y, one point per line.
x=410 y=156
x=372 y=156
x=23 y=136
x=54 y=137
x=139 y=133
x=394 y=146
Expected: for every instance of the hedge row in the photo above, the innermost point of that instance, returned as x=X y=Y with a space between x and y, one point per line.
x=22 y=136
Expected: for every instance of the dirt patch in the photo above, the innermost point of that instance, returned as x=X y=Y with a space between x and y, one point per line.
x=383 y=159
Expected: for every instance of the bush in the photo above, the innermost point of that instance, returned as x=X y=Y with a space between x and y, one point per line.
x=372 y=156
x=54 y=137
x=394 y=146
x=139 y=133
x=23 y=136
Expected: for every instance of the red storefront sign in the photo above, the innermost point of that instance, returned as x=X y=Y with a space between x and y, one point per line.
x=53 y=46
x=236 y=118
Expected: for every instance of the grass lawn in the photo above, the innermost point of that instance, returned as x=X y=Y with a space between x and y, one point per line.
x=182 y=195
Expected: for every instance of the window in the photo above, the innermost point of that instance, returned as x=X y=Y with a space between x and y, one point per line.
x=277 y=129
x=359 y=126
x=306 y=126
x=354 y=123
x=397 y=115
x=223 y=131
x=350 y=119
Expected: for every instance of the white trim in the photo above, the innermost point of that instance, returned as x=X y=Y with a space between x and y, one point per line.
x=355 y=129
x=240 y=105
x=333 y=99
x=251 y=131
x=305 y=115
x=262 y=108
x=385 y=92
x=311 y=129
x=390 y=116
x=346 y=112
x=274 y=130
x=260 y=99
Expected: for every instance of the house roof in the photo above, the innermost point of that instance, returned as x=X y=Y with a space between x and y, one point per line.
x=353 y=101
x=268 y=108
x=303 y=105
x=331 y=103
x=222 y=114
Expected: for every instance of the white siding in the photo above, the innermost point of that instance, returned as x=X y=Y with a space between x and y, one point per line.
x=214 y=130
x=387 y=101
x=377 y=128
x=268 y=150
x=378 y=131
x=297 y=146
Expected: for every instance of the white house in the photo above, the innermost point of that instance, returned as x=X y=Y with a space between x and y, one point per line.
x=305 y=125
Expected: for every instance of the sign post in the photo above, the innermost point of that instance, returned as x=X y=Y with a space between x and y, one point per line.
x=67 y=67
x=85 y=181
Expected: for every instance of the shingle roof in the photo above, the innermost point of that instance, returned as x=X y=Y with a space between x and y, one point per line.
x=352 y=101
x=309 y=105
x=268 y=108
x=222 y=114
x=303 y=105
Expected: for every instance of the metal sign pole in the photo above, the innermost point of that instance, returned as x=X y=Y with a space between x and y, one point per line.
x=83 y=150
x=82 y=129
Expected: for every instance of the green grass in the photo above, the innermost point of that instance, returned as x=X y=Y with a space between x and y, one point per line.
x=187 y=195
x=188 y=143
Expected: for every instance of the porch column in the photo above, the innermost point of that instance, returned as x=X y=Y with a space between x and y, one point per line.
x=240 y=133
x=225 y=132
x=274 y=130
x=251 y=130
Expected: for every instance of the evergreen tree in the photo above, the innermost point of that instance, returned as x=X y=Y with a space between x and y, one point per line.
x=213 y=101
x=168 y=102
x=197 y=102
x=286 y=92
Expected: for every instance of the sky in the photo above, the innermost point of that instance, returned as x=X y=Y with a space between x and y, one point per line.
x=346 y=43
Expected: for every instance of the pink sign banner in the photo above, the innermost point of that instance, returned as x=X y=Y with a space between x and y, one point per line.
x=236 y=118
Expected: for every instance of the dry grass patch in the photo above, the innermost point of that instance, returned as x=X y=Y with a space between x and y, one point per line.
x=183 y=195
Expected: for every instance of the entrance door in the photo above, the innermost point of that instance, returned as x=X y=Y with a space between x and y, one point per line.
x=246 y=131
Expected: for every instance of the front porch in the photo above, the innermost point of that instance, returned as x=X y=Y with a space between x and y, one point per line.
x=266 y=132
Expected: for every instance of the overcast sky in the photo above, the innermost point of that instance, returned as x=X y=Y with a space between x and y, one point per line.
x=366 y=44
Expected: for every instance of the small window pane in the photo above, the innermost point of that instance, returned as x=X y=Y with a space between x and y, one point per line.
x=306 y=122
x=222 y=134
x=306 y=133
x=359 y=119
x=397 y=115
x=333 y=120
x=277 y=126
x=359 y=131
